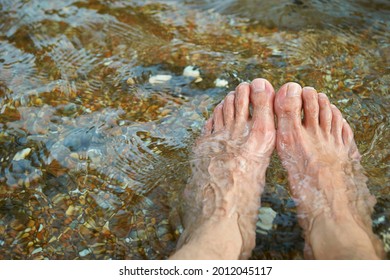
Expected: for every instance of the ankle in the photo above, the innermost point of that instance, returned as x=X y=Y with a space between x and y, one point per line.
x=340 y=238
x=214 y=239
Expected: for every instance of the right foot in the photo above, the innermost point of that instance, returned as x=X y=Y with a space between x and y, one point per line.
x=326 y=179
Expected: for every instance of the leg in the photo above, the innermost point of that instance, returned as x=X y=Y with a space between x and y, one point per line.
x=230 y=160
x=326 y=179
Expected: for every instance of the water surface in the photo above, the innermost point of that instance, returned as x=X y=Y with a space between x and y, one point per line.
x=94 y=154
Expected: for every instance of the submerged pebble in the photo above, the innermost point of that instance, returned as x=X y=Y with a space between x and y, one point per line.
x=37 y=250
x=130 y=81
x=266 y=217
x=191 y=71
x=159 y=79
x=380 y=220
x=84 y=252
x=221 y=83
x=22 y=154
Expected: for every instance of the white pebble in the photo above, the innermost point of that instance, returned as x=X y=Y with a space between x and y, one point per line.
x=107 y=225
x=266 y=218
x=344 y=101
x=191 y=71
x=22 y=154
x=221 y=82
x=380 y=220
x=37 y=250
x=159 y=79
x=276 y=52
x=2 y=242
x=198 y=80
x=84 y=253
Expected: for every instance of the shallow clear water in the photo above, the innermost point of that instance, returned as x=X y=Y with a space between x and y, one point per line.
x=93 y=156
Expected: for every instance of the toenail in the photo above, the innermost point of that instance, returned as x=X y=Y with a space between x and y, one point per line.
x=229 y=98
x=322 y=95
x=242 y=84
x=293 y=89
x=258 y=85
x=310 y=88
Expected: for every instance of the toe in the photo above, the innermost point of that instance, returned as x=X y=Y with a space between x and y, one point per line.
x=218 y=117
x=337 y=124
x=288 y=107
x=262 y=99
x=349 y=141
x=347 y=133
x=325 y=113
x=241 y=103
x=310 y=108
x=228 y=109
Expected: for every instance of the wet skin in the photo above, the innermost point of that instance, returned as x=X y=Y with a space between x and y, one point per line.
x=231 y=158
x=322 y=161
x=326 y=179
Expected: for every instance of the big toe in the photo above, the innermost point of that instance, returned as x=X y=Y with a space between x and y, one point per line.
x=288 y=107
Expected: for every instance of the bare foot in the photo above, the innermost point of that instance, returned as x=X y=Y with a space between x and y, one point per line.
x=326 y=179
x=230 y=160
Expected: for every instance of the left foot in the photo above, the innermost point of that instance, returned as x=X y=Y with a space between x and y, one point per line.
x=231 y=157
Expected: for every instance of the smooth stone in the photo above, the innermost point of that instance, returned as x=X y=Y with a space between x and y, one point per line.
x=130 y=81
x=22 y=154
x=266 y=218
x=380 y=220
x=221 y=83
x=191 y=71
x=159 y=79
x=84 y=252
x=37 y=250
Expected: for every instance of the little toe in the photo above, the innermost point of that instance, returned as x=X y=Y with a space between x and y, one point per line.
x=218 y=123
x=337 y=124
x=228 y=109
x=347 y=133
x=349 y=141
x=241 y=103
x=325 y=113
x=310 y=108
x=288 y=107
